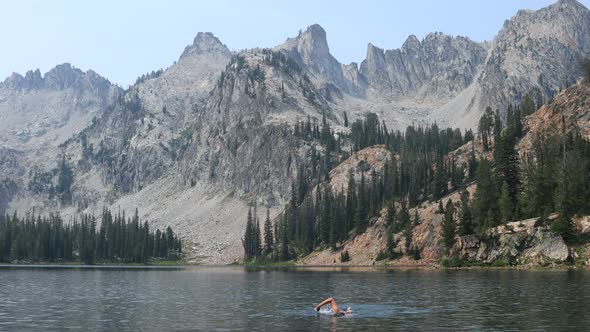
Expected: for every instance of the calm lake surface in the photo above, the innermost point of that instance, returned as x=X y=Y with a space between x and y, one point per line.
x=238 y=298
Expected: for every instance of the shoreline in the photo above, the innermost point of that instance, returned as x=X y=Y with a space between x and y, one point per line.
x=105 y=264
x=295 y=265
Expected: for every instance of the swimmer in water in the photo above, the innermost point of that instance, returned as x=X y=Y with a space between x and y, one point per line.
x=337 y=311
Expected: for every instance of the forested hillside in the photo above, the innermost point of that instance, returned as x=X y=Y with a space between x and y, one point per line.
x=425 y=165
x=117 y=239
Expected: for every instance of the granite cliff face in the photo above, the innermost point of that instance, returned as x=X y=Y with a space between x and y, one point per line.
x=310 y=50
x=139 y=139
x=43 y=111
x=439 y=66
x=538 y=52
x=40 y=112
x=243 y=138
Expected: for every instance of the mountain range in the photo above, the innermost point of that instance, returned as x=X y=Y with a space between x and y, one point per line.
x=193 y=145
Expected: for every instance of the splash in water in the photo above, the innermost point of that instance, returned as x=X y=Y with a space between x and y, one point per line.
x=325 y=311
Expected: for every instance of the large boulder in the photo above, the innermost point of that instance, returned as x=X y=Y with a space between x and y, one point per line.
x=544 y=246
x=520 y=242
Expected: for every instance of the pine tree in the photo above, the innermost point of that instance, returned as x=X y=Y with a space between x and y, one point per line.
x=408 y=235
x=403 y=218
x=64 y=181
x=268 y=236
x=257 y=239
x=540 y=169
x=527 y=106
x=345 y=119
x=484 y=202
x=448 y=226
x=440 y=209
x=439 y=183
x=505 y=204
x=248 y=241
x=506 y=167
x=472 y=162
x=497 y=127
x=390 y=217
x=465 y=216
x=344 y=256
x=416 y=220
x=350 y=202
x=284 y=253
x=360 y=216
x=291 y=214
x=564 y=224
x=374 y=194
x=485 y=124
x=585 y=68
x=391 y=244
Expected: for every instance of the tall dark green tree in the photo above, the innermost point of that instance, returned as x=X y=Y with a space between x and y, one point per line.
x=360 y=216
x=449 y=226
x=268 y=236
x=390 y=217
x=350 y=202
x=486 y=123
x=249 y=242
x=439 y=182
x=391 y=244
x=465 y=215
x=485 y=200
x=505 y=204
x=65 y=180
x=564 y=223
x=506 y=168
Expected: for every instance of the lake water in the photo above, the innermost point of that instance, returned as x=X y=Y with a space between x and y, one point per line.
x=238 y=298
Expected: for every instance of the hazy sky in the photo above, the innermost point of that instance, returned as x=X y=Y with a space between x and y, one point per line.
x=122 y=39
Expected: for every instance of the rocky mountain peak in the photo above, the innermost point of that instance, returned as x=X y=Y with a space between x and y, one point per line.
x=310 y=46
x=61 y=77
x=536 y=52
x=374 y=52
x=411 y=42
x=206 y=43
x=310 y=50
x=43 y=111
x=33 y=76
x=16 y=82
x=373 y=68
x=313 y=41
x=434 y=37
x=569 y=4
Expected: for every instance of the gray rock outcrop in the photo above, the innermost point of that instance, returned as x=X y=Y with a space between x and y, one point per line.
x=518 y=242
x=310 y=49
x=440 y=66
x=43 y=111
x=205 y=43
x=536 y=52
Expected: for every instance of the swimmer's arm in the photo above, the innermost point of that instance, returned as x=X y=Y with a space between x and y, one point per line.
x=324 y=302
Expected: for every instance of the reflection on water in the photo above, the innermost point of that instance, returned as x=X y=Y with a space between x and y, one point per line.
x=237 y=298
